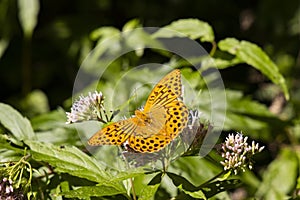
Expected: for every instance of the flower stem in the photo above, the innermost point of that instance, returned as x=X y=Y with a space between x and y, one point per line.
x=130 y=179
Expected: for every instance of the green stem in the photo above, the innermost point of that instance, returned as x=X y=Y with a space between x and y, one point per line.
x=130 y=179
x=213 y=49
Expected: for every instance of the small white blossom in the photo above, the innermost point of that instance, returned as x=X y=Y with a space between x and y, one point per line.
x=86 y=108
x=238 y=153
x=194 y=117
x=6 y=188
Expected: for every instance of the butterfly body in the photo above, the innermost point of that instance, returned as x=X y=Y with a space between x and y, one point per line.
x=164 y=117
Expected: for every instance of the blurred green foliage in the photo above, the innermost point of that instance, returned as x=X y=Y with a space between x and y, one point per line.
x=255 y=45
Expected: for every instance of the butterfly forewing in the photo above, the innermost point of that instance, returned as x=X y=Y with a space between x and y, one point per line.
x=166 y=90
x=113 y=134
x=173 y=82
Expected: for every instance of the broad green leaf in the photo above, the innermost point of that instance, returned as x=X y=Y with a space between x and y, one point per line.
x=70 y=160
x=222 y=64
x=146 y=185
x=250 y=116
x=148 y=192
x=211 y=189
x=192 y=28
x=197 y=171
x=207 y=189
x=195 y=194
x=13 y=121
x=60 y=136
x=138 y=39
x=156 y=179
x=253 y=55
x=230 y=45
x=52 y=128
x=242 y=113
x=28 y=15
x=244 y=105
x=50 y=120
x=130 y=173
x=181 y=181
x=280 y=177
x=7 y=151
x=92 y=191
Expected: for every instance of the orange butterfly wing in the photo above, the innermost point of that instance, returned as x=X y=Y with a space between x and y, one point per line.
x=113 y=134
x=163 y=118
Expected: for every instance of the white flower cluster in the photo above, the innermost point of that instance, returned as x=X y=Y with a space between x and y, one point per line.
x=238 y=153
x=6 y=187
x=86 y=108
x=194 y=116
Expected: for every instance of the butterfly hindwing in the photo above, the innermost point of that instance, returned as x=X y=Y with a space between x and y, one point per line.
x=149 y=144
x=176 y=118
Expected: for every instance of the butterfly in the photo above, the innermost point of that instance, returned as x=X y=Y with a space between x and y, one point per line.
x=151 y=129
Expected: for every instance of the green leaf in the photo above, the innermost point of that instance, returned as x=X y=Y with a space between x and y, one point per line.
x=18 y=125
x=49 y=121
x=280 y=177
x=104 y=32
x=70 y=160
x=28 y=15
x=148 y=192
x=230 y=45
x=138 y=39
x=211 y=189
x=92 y=191
x=7 y=151
x=197 y=171
x=205 y=190
x=192 y=28
x=131 y=24
x=253 y=55
x=243 y=113
x=225 y=176
x=195 y=194
x=156 y=179
x=130 y=173
x=250 y=116
x=222 y=63
x=181 y=181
